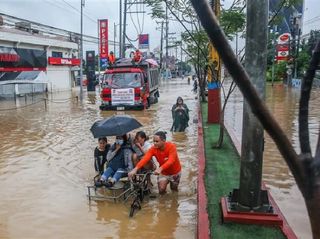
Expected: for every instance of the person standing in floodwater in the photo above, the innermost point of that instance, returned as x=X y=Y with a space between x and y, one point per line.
x=169 y=170
x=180 y=116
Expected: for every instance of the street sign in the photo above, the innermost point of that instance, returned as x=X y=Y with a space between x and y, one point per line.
x=144 y=41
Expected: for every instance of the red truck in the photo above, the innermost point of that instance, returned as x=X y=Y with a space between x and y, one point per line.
x=127 y=86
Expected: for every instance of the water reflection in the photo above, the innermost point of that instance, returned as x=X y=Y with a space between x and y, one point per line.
x=283 y=103
x=46 y=162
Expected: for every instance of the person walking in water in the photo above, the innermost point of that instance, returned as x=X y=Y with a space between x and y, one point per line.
x=180 y=116
x=169 y=170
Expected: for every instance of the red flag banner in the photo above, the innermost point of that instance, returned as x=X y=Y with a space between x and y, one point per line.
x=103 y=25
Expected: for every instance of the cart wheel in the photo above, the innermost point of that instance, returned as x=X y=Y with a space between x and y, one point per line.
x=131 y=211
x=135 y=205
x=141 y=195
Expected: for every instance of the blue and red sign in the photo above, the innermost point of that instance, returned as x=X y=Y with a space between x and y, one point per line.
x=143 y=41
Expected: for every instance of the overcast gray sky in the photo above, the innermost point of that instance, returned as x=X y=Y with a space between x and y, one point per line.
x=65 y=14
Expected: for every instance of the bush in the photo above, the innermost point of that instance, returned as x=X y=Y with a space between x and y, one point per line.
x=280 y=70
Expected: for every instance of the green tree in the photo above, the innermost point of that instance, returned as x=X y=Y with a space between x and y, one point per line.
x=194 y=37
x=232 y=20
x=276 y=17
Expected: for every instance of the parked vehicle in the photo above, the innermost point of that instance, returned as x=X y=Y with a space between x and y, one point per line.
x=127 y=86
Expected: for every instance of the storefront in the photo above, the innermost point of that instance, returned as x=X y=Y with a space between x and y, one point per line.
x=26 y=58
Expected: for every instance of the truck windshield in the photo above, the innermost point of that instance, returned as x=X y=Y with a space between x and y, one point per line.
x=122 y=80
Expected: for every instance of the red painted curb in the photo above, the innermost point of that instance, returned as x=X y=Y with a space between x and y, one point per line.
x=203 y=229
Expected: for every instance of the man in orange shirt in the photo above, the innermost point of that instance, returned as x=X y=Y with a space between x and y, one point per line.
x=169 y=170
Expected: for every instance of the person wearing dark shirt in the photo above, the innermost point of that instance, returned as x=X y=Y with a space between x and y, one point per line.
x=100 y=155
x=180 y=116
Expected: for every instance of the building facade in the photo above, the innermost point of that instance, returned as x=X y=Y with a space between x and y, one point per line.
x=35 y=59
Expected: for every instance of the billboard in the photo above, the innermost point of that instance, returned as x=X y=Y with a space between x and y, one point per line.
x=103 y=30
x=143 y=41
x=283 y=47
x=286 y=27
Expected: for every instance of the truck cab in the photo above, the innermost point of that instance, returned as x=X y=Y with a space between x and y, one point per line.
x=126 y=86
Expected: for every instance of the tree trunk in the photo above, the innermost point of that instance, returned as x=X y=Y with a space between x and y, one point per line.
x=313 y=210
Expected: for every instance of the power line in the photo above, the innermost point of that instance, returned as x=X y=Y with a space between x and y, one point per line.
x=11 y=20
x=312 y=19
x=53 y=4
x=95 y=21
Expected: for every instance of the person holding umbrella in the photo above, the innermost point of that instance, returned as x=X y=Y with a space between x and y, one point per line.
x=119 y=156
x=169 y=170
x=119 y=160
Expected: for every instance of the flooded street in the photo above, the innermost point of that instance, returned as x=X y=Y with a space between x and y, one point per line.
x=46 y=163
x=283 y=103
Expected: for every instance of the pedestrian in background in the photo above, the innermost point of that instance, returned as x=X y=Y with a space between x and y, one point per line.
x=180 y=116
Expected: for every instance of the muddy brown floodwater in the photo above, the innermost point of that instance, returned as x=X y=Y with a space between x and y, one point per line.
x=283 y=103
x=46 y=163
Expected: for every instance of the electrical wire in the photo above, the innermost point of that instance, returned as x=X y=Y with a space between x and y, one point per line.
x=137 y=15
x=312 y=19
x=79 y=11
x=143 y=9
x=134 y=23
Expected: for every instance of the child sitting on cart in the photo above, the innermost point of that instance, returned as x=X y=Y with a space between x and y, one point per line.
x=119 y=163
x=100 y=155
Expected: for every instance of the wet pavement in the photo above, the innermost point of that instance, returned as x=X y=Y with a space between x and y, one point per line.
x=46 y=163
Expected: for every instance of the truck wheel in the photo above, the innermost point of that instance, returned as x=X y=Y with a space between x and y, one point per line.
x=148 y=102
x=155 y=99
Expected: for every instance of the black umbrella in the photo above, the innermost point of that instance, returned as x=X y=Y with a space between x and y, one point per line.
x=114 y=126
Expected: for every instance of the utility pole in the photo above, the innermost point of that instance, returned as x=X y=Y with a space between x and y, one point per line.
x=274 y=44
x=167 y=35
x=297 y=31
x=81 y=50
x=120 y=29
x=161 y=44
x=237 y=45
x=114 y=37
x=181 y=54
x=250 y=197
x=124 y=29
x=98 y=48
x=176 y=47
